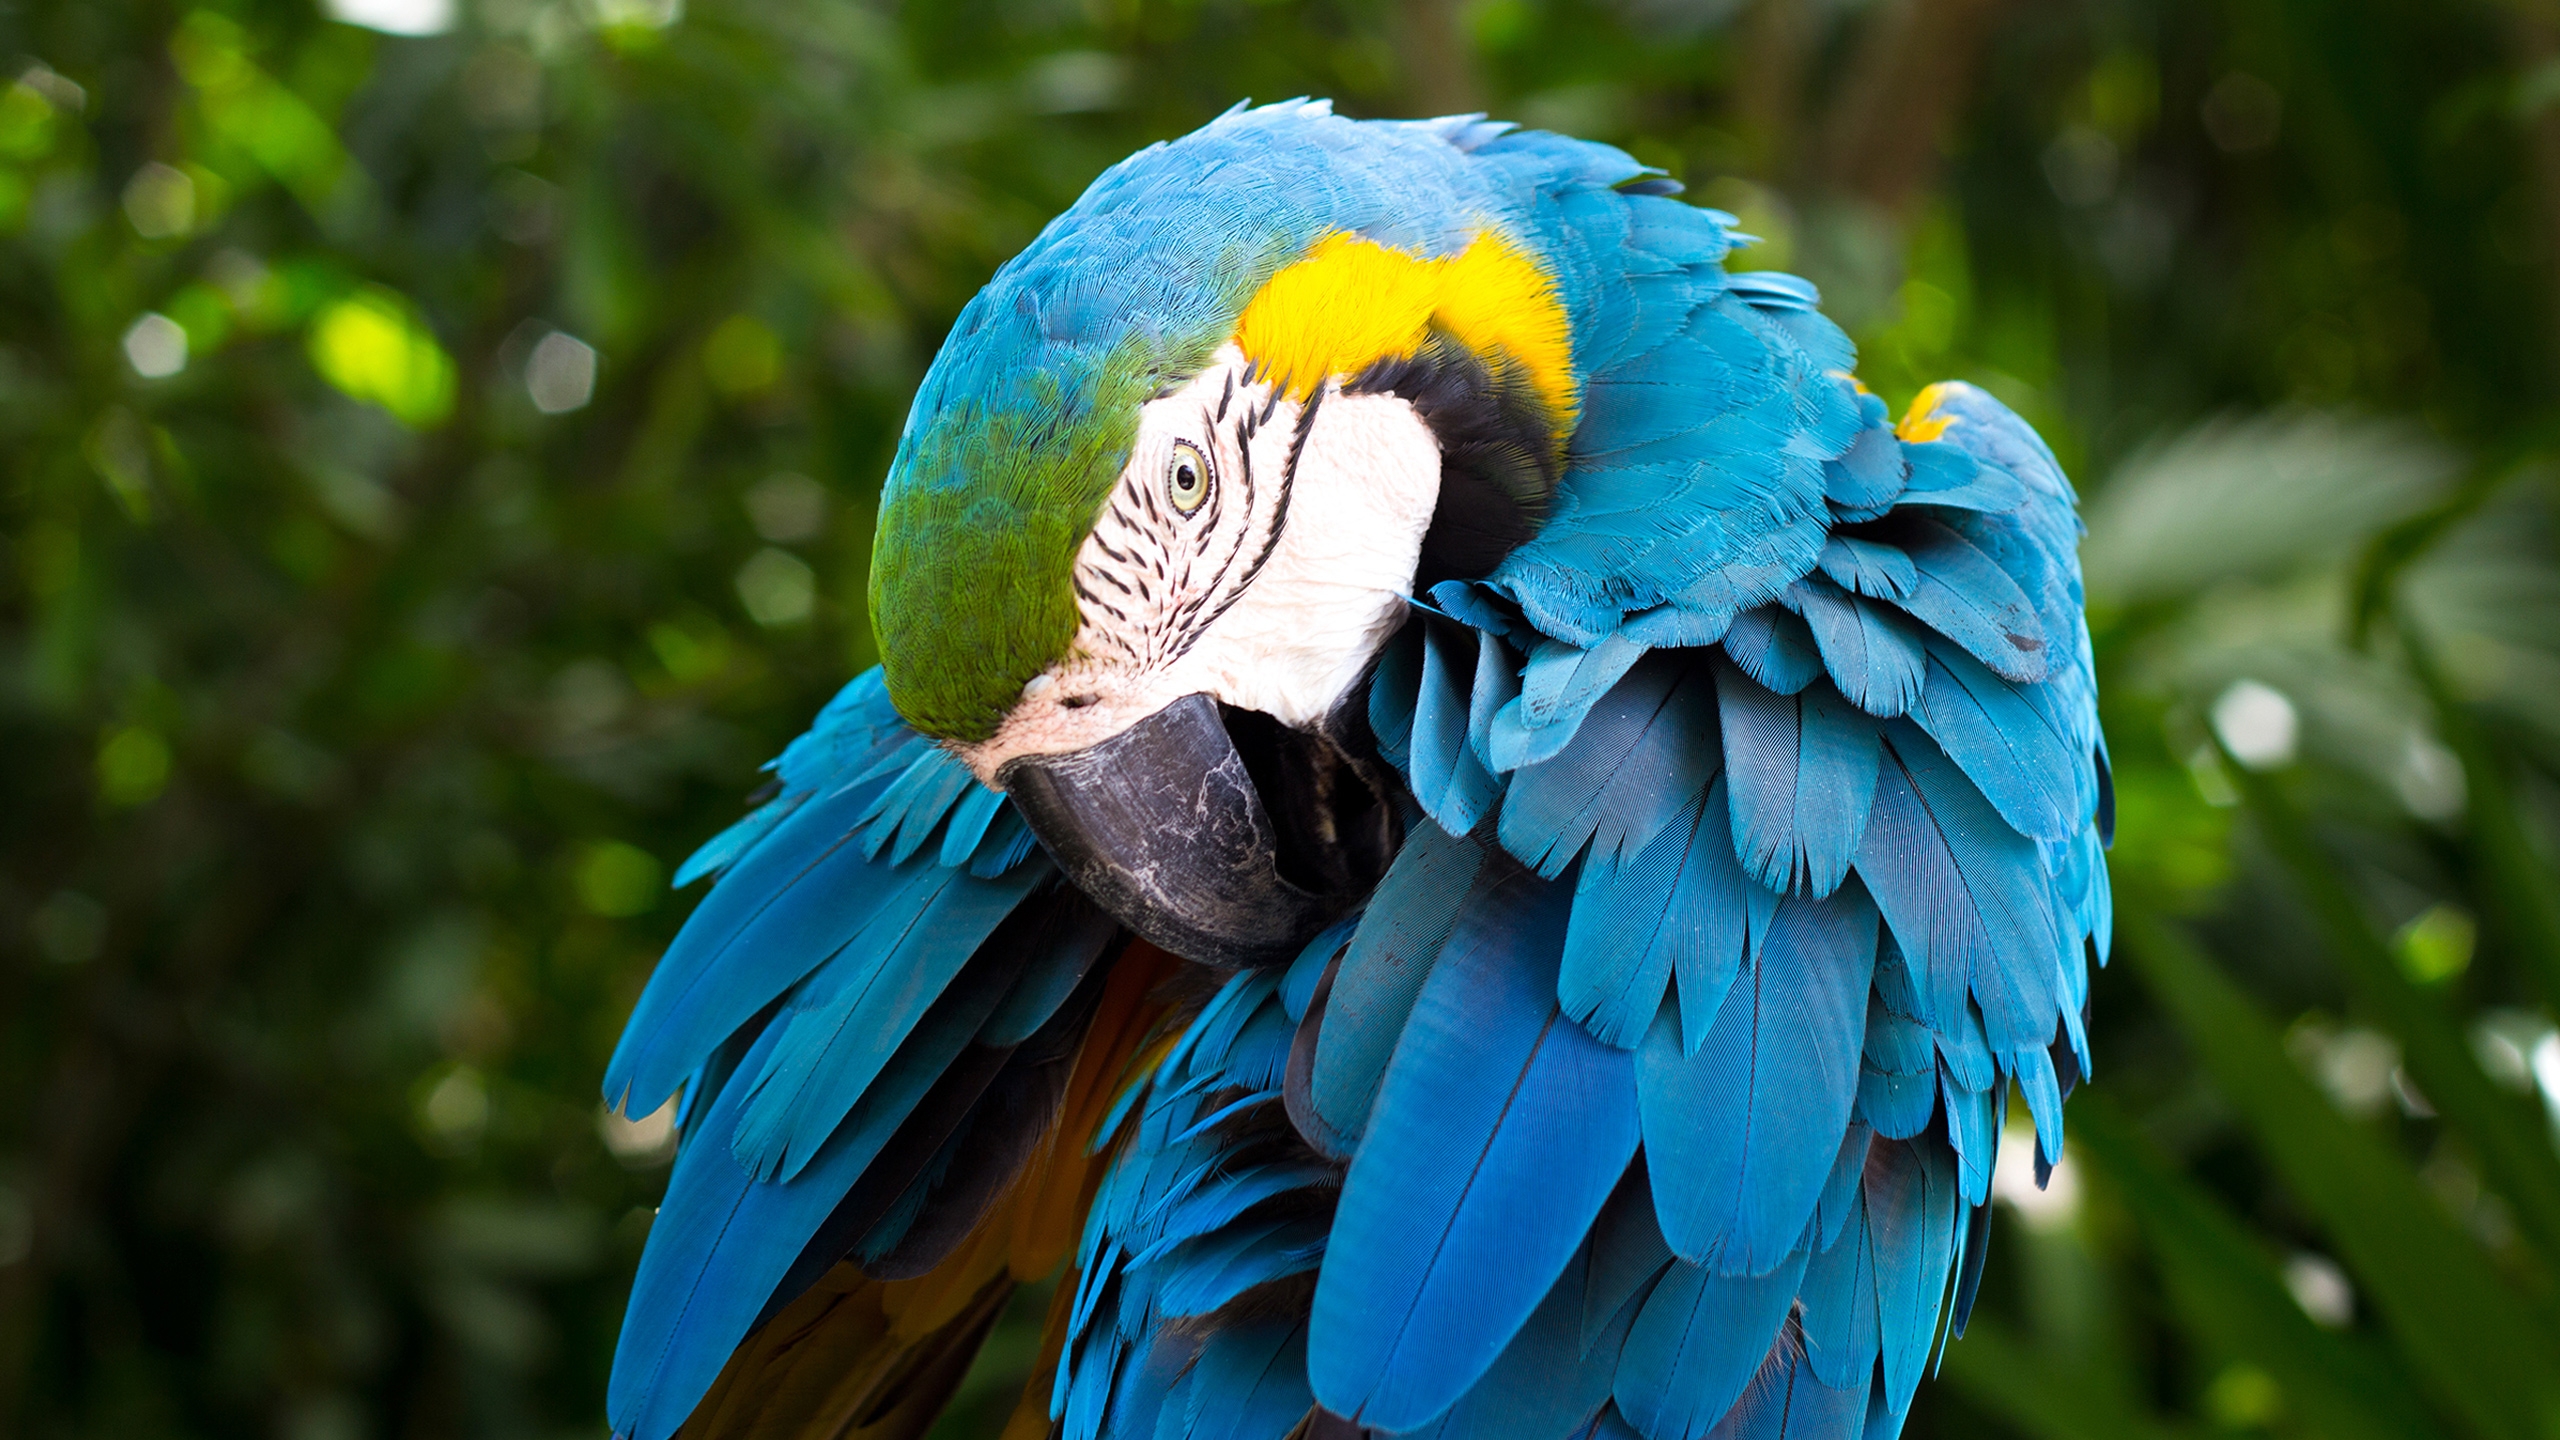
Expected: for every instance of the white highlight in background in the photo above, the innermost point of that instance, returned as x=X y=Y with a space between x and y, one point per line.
x=2321 y=1289
x=155 y=346
x=560 y=374
x=395 y=17
x=641 y=1142
x=2013 y=1180
x=2257 y=725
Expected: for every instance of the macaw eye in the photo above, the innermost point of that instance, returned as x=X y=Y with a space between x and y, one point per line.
x=1186 y=477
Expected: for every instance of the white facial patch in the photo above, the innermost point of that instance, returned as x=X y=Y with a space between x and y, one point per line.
x=1270 y=590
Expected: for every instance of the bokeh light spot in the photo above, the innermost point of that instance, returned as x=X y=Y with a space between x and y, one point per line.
x=777 y=587
x=619 y=880
x=155 y=346
x=560 y=375
x=373 y=346
x=133 y=766
x=2257 y=724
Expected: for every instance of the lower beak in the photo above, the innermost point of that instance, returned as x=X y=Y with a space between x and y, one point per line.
x=1165 y=826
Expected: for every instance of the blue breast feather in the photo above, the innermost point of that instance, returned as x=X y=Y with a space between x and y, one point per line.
x=1756 y=854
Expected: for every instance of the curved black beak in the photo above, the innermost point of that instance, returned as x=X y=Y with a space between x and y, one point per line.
x=1166 y=826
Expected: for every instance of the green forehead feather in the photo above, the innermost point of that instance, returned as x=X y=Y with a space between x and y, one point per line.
x=971 y=572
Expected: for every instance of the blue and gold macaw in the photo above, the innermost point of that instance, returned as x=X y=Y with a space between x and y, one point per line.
x=1453 y=819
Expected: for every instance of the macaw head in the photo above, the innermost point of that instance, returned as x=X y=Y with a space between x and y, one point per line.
x=1158 y=509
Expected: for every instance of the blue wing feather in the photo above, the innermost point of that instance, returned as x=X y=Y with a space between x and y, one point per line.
x=831 y=1048
x=1869 y=567
x=1913 y=1215
x=1547 y=1384
x=1974 y=1135
x=1962 y=595
x=1740 y=1136
x=1871 y=651
x=1697 y=1342
x=1840 y=1190
x=1500 y=1130
x=2005 y=744
x=1774 y=648
x=1965 y=896
x=1787 y=1400
x=1839 y=1296
x=1249 y=1383
x=1869 y=476
x=724 y=849
x=905 y=815
x=1627 y=1253
x=1557 y=689
x=1449 y=781
x=1643 y=753
x=1409 y=917
x=775 y=916
x=1803 y=775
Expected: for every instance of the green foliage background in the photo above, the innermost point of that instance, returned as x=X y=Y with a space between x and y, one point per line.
x=439 y=469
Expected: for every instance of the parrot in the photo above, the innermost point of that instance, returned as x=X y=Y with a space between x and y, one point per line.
x=1456 y=830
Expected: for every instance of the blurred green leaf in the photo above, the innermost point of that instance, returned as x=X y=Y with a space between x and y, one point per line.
x=2523 y=884
x=2252 y=497
x=1999 y=1372
x=2477 y=1347
x=2229 y=1289
x=2513 y=1144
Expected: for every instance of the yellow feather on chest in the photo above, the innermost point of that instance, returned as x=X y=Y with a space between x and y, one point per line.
x=1350 y=303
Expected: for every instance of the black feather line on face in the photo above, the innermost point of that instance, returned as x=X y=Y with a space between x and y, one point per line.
x=1279 y=514
x=1500 y=458
x=1184 y=618
x=1098 y=602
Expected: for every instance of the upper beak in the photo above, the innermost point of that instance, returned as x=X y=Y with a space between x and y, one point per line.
x=1165 y=826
